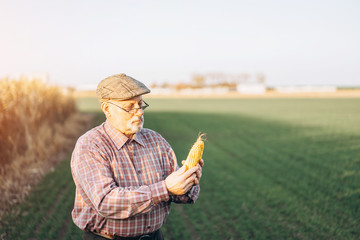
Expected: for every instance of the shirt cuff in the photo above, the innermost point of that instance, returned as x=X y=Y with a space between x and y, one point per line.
x=159 y=192
x=193 y=194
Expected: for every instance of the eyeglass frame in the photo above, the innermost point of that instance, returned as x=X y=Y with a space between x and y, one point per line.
x=133 y=110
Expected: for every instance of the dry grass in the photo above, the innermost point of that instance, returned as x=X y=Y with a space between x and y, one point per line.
x=39 y=124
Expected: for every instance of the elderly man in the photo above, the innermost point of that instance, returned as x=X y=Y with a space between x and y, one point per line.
x=126 y=176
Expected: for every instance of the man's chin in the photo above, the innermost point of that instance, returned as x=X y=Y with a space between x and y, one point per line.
x=135 y=125
x=137 y=128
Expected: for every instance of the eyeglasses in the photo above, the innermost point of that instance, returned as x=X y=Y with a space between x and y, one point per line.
x=144 y=105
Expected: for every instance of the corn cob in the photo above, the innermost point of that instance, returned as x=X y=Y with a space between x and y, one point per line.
x=195 y=153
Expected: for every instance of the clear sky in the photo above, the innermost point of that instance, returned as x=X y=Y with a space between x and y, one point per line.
x=82 y=42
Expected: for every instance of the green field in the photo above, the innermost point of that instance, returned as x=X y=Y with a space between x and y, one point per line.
x=274 y=169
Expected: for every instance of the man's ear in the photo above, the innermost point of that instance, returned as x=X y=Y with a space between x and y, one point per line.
x=105 y=109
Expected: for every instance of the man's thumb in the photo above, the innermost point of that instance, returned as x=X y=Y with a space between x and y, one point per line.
x=182 y=169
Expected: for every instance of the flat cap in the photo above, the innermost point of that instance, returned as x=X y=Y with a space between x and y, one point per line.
x=120 y=87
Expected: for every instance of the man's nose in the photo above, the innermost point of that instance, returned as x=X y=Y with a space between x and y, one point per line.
x=139 y=112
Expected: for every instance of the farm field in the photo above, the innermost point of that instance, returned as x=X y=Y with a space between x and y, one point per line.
x=274 y=169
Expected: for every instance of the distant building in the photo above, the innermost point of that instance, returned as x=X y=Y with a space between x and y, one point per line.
x=215 y=83
x=251 y=88
x=190 y=91
x=204 y=90
x=305 y=89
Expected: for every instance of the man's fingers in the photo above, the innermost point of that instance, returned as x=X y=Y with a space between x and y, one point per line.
x=196 y=181
x=198 y=174
x=190 y=171
x=189 y=182
x=190 y=179
x=182 y=170
x=188 y=187
x=201 y=162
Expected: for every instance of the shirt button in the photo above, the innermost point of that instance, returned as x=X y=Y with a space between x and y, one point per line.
x=139 y=171
x=148 y=227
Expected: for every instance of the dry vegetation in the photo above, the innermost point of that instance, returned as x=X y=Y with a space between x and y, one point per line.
x=39 y=124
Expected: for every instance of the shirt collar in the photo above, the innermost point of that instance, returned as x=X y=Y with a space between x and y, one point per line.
x=119 y=138
x=139 y=138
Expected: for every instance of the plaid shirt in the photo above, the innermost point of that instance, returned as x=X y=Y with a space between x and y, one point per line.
x=120 y=187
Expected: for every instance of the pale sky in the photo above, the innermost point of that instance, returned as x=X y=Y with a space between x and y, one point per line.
x=82 y=42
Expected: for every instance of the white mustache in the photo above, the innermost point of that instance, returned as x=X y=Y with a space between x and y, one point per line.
x=137 y=119
x=135 y=127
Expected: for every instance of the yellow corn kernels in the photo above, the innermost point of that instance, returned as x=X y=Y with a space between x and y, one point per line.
x=195 y=153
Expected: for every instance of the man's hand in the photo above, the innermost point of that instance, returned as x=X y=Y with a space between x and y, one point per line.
x=198 y=172
x=180 y=181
